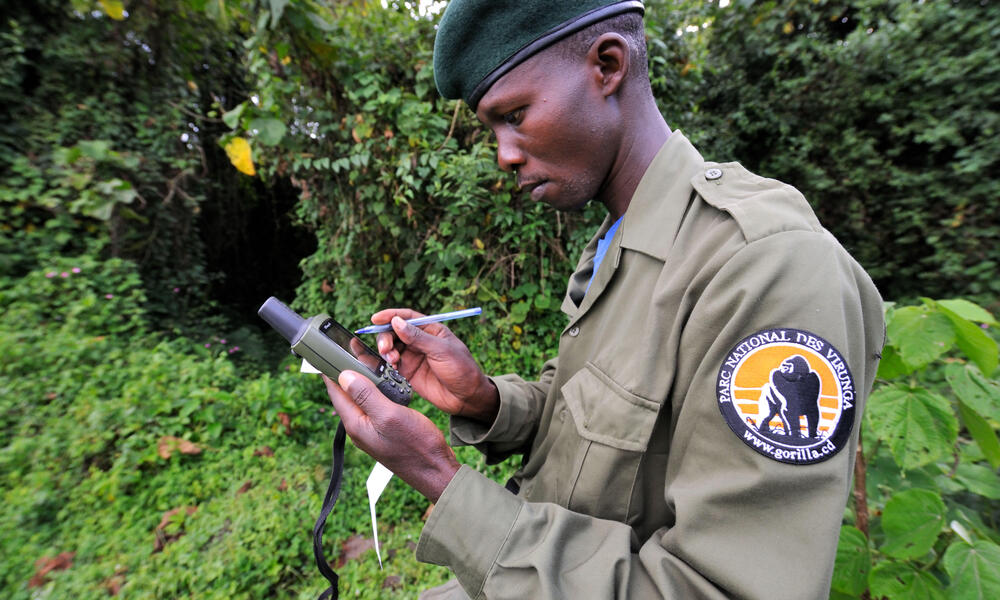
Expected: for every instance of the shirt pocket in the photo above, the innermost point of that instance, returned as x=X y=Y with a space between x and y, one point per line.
x=614 y=427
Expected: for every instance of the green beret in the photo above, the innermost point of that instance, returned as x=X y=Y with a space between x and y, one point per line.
x=478 y=41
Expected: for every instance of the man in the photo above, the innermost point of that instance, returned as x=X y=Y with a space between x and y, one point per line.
x=651 y=467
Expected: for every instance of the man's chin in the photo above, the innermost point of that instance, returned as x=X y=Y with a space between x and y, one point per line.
x=568 y=205
x=549 y=194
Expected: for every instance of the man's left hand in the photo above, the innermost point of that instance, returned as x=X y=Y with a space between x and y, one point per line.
x=402 y=439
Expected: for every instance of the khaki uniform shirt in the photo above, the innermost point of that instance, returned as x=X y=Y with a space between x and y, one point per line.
x=634 y=484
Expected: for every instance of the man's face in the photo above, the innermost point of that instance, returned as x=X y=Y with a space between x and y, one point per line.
x=553 y=129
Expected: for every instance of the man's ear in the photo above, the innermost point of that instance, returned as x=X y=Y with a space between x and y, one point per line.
x=609 y=58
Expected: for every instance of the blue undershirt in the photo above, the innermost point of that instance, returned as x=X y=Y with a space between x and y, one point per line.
x=602 y=248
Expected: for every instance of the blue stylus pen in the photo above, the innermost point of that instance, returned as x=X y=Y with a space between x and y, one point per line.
x=448 y=316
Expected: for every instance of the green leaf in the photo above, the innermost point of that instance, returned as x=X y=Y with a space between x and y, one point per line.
x=895 y=580
x=892 y=366
x=277 y=8
x=319 y=22
x=232 y=117
x=980 y=480
x=850 y=574
x=919 y=426
x=969 y=310
x=974 y=342
x=96 y=149
x=920 y=334
x=519 y=311
x=912 y=521
x=269 y=131
x=977 y=392
x=981 y=431
x=974 y=570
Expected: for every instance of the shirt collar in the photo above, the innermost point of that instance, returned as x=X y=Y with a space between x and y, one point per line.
x=660 y=200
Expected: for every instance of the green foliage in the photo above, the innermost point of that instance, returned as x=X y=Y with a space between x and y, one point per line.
x=926 y=522
x=107 y=146
x=158 y=467
x=883 y=113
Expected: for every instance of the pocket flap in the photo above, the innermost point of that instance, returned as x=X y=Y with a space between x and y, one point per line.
x=607 y=413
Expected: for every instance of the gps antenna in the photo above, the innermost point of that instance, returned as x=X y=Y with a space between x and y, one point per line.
x=286 y=321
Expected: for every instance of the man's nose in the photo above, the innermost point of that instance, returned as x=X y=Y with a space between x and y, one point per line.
x=509 y=155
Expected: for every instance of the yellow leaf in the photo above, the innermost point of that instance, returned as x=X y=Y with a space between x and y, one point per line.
x=238 y=151
x=286 y=60
x=518 y=330
x=114 y=9
x=479 y=243
x=788 y=28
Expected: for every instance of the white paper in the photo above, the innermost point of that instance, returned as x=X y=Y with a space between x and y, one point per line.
x=307 y=368
x=376 y=483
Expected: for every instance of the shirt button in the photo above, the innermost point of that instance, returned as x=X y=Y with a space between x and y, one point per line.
x=574 y=331
x=713 y=174
x=562 y=415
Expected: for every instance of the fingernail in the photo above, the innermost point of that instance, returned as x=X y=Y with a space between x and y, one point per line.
x=346 y=379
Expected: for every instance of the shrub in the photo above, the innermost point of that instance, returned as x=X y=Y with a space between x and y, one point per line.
x=926 y=485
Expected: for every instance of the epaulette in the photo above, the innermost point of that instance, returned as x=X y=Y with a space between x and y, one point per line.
x=760 y=206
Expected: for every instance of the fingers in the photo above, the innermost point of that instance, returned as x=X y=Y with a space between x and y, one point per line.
x=357 y=399
x=386 y=342
x=391 y=344
x=406 y=442
x=425 y=340
x=349 y=412
x=384 y=316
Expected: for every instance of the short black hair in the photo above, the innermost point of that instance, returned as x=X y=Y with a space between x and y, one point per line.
x=628 y=25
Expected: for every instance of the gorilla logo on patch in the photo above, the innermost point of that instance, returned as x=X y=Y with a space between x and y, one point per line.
x=788 y=394
x=793 y=393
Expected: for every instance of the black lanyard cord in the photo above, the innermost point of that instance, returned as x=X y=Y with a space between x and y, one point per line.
x=332 y=492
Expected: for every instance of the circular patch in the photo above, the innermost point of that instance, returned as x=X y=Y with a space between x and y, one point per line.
x=788 y=394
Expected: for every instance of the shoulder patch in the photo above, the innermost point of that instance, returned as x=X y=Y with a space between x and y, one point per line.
x=788 y=394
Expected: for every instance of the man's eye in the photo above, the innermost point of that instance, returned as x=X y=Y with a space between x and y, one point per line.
x=513 y=117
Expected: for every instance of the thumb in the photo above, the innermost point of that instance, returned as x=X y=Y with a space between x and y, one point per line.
x=414 y=337
x=366 y=396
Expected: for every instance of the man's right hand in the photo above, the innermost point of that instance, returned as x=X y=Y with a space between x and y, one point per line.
x=438 y=365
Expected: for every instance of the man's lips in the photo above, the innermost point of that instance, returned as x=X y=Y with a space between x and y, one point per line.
x=529 y=186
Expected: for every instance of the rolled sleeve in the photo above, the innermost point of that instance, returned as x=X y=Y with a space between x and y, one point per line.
x=513 y=429
x=471 y=502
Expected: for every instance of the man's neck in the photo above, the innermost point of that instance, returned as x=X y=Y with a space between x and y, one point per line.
x=643 y=139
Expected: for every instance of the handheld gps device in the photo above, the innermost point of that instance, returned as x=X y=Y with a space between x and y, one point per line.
x=331 y=348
